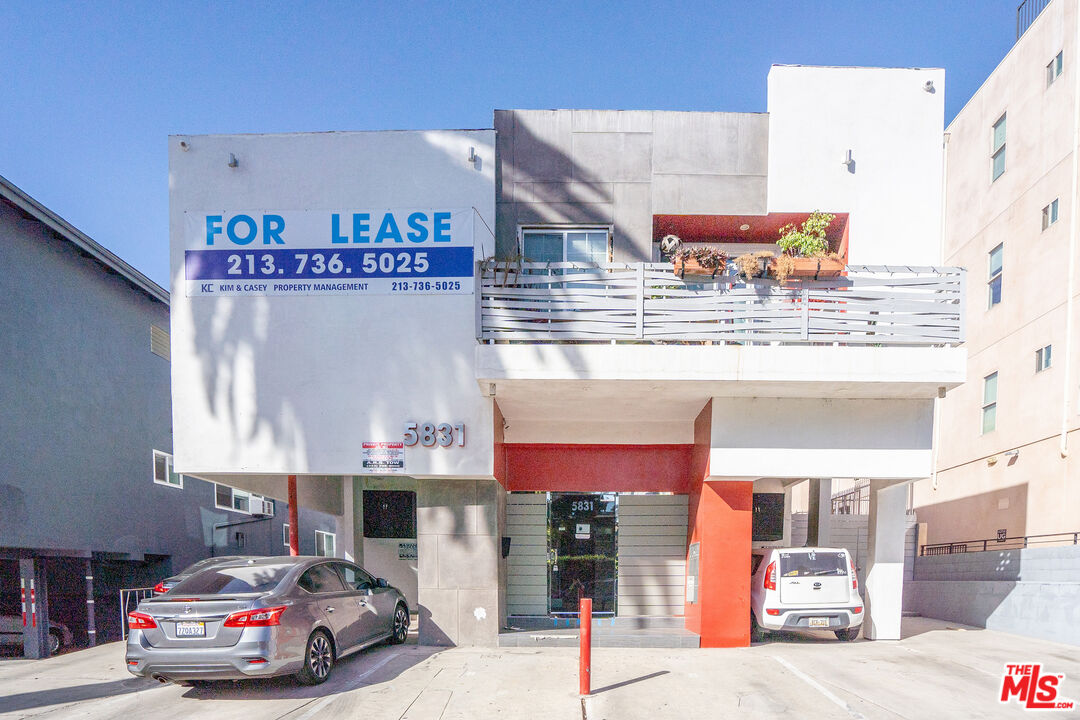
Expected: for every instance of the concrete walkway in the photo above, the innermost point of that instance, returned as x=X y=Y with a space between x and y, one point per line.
x=937 y=671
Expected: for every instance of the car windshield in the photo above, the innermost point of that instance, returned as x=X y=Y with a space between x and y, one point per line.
x=230 y=580
x=812 y=564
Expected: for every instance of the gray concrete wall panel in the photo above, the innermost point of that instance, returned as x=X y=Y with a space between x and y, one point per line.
x=753 y=145
x=542 y=146
x=1046 y=564
x=623 y=157
x=563 y=213
x=695 y=143
x=619 y=168
x=633 y=223
x=561 y=192
x=1046 y=610
x=704 y=194
x=457 y=562
x=636 y=121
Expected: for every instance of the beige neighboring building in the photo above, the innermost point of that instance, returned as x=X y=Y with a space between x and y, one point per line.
x=1008 y=451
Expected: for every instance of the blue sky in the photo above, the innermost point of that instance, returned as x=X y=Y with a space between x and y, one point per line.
x=90 y=91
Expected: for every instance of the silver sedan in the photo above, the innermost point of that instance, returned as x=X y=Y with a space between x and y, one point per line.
x=264 y=617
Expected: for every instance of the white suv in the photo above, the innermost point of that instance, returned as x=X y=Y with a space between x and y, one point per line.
x=805 y=588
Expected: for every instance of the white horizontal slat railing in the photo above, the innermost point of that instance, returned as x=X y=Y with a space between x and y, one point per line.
x=646 y=302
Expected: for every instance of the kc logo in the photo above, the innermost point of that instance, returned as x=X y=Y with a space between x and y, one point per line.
x=1032 y=688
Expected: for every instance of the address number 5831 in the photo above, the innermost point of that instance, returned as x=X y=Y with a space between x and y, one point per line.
x=432 y=434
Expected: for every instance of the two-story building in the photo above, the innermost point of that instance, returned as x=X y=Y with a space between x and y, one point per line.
x=90 y=503
x=477 y=326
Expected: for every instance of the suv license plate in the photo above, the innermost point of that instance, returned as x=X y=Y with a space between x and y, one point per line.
x=190 y=629
x=819 y=622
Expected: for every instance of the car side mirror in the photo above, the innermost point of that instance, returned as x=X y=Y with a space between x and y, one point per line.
x=381 y=582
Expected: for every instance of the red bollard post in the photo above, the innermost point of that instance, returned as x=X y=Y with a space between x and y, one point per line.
x=585 y=669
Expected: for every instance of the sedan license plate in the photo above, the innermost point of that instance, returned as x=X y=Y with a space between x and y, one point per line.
x=190 y=629
x=819 y=622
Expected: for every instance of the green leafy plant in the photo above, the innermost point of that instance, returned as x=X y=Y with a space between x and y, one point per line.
x=807 y=240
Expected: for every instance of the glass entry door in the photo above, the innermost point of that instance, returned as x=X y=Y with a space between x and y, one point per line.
x=582 y=551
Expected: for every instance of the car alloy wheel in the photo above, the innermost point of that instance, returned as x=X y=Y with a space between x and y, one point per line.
x=54 y=642
x=401 y=624
x=320 y=657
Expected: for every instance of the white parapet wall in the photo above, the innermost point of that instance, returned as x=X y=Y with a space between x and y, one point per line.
x=889 y=122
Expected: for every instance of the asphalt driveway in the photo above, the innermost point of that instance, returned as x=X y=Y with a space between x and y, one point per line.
x=939 y=670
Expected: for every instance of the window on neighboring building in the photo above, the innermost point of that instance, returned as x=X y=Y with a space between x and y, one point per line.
x=989 y=406
x=285 y=535
x=1050 y=214
x=993 y=282
x=566 y=245
x=229 y=498
x=325 y=543
x=389 y=514
x=163 y=470
x=1042 y=358
x=997 y=149
x=1053 y=69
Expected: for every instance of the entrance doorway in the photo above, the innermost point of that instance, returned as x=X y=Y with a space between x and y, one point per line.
x=582 y=551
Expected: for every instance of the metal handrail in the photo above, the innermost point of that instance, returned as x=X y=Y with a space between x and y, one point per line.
x=646 y=302
x=998 y=543
x=1026 y=12
x=854 y=501
x=126 y=596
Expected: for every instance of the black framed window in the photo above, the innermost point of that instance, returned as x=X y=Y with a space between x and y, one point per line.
x=389 y=514
x=767 y=520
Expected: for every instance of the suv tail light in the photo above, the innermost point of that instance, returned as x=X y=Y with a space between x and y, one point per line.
x=140 y=621
x=770 y=576
x=854 y=575
x=262 y=617
x=159 y=589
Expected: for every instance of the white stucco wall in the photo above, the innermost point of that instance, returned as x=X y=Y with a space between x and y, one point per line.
x=893 y=128
x=814 y=437
x=295 y=384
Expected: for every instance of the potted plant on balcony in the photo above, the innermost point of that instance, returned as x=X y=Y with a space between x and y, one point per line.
x=754 y=264
x=699 y=262
x=805 y=250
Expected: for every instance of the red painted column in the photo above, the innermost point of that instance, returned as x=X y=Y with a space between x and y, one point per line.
x=724 y=515
x=294 y=523
x=719 y=520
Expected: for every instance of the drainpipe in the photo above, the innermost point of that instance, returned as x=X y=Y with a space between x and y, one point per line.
x=294 y=519
x=936 y=441
x=1066 y=405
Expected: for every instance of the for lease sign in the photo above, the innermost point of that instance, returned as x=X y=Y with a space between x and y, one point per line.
x=412 y=251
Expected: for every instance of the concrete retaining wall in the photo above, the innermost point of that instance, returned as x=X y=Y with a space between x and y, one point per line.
x=1033 y=592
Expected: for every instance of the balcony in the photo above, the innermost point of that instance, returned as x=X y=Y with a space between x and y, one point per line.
x=870 y=305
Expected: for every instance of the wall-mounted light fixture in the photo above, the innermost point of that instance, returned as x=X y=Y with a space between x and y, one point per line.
x=233 y=162
x=1012 y=453
x=848 y=162
x=744 y=227
x=184 y=145
x=928 y=86
x=473 y=157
